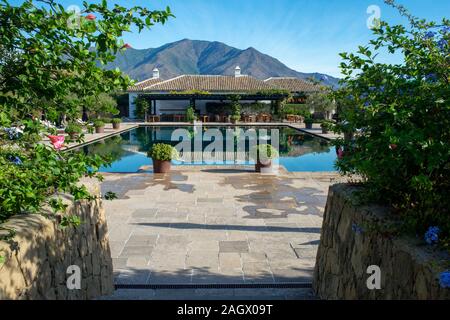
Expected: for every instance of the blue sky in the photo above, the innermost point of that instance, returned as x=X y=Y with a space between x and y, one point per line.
x=306 y=35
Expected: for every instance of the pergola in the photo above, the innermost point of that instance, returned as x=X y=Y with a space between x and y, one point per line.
x=153 y=97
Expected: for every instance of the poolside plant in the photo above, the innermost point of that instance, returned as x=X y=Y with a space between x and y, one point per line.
x=326 y=125
x=99 y=124
x=309 y=120
x=163 y=152
x=235 y=108
x=142 y=107
x=264 y=151
x=190 y=114
x=116 y=123
x=296 y=109
x=396 y=118
x=100 y=105
x=46 y=55
x=73 y=129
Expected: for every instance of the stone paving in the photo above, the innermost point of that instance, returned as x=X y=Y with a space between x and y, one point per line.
x=215 y=226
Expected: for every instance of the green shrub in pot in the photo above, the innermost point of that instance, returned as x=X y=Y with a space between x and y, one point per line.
x=99 y=126
x=309 y=122
x=263 y=154
x=73 y=130
x=162 y=154
x=326 y=126
x=116 y=123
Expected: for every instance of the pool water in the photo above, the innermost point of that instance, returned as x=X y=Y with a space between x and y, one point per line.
x=299 y=151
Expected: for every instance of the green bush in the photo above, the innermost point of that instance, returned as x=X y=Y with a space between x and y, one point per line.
x=296 y=109
x=116 y=120
x=142 y=107
x=326 y=124
x=73 y=128
x=105 y=120
x=399 y=117
x=50 y=59
x=309 y=120
x=235 y=107
x=190 y=114
x=266 y=151
x=236 y=117
x=99 y=123
x=163 y=152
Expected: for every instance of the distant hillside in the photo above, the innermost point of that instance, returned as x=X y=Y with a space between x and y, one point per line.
x=204 y=57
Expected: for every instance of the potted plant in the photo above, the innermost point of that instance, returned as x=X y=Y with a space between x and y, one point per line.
x=309 y=123
x=73 y=130
x=99 y=126
x=190 y=115
x=263 y=155
x=116 y=123
x=235 y=118
x=162 y=154
x=326 y=126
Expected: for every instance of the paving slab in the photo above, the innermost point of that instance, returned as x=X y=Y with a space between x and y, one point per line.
x=214 y=226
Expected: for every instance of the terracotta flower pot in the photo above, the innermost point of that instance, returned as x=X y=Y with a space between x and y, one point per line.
x=116 y=126
x=74 y=136
x=308 y=125
x=263 y=165
x=324 y=130
x=161 y=166
x=99 y=129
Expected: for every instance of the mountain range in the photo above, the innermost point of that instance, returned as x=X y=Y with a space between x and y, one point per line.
x=205 y=57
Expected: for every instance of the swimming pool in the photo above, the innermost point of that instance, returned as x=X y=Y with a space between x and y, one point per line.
x=299 y=151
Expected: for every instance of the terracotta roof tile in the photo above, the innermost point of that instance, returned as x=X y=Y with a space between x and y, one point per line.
x=217 y=83
x=292 y=84
x=210 y=83
x=140 y=86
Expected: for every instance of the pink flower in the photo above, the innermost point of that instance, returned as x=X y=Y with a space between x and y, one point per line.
x=57 y=141
x=91 y=17
x=340 y=153
x=126 y=46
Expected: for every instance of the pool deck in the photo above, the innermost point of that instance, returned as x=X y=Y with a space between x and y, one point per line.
x=216 y=226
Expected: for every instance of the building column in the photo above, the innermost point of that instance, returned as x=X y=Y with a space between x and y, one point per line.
x=131 y=105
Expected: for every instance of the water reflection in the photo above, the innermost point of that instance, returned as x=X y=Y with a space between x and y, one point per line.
x=298 y=151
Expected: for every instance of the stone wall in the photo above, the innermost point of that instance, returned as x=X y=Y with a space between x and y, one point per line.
x=409 y=269
x=37 y=257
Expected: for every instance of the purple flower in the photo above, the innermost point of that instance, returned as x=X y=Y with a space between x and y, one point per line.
x=446 y=29
x=442 y=44
x=444 y=279
x=16 y=160
x=432 y=235
x=429 y=35
x=13 y=133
